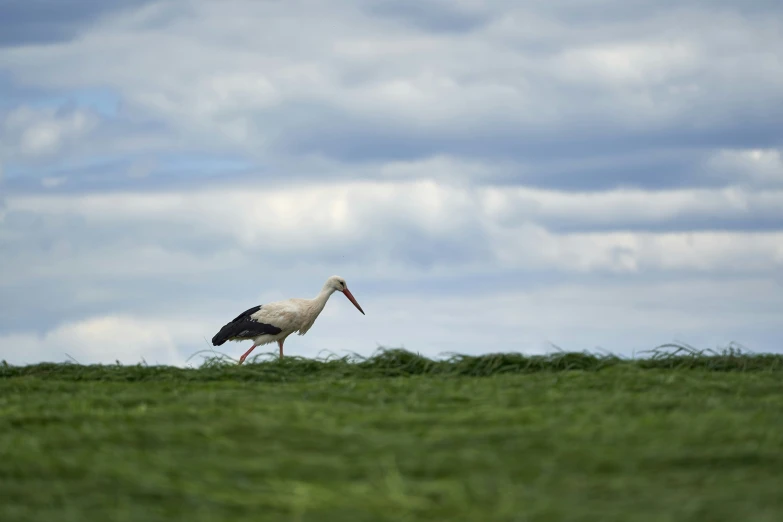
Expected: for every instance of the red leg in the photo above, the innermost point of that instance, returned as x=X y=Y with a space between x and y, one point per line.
x=244 y=356
x=280 y=344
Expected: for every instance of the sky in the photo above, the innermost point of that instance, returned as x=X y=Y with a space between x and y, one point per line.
x=488 y=176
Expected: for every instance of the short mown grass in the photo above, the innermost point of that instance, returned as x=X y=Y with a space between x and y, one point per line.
x=679 y=435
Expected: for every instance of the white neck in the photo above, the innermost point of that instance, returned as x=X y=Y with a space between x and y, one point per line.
x=315 y=307
x=320 y=300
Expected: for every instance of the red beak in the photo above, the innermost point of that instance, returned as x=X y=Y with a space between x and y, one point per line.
x=350 y=297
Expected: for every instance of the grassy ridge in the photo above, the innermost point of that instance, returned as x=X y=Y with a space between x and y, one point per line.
x=677 y=436
x=399 y=363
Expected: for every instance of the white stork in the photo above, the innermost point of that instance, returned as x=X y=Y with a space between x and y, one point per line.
x=264 y=324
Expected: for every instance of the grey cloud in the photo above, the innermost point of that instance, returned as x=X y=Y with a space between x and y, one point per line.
x=30 y=22
x=2 y=195
x=756 y=222
x=435 y=16
x=558 y=107
x=571 y=159
x=13 y=95
x=610 y=10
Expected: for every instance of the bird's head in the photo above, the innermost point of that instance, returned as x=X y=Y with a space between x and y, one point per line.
x=338 y=283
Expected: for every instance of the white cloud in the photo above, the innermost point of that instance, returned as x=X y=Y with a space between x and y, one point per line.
x=103 y=339
x=757 y=166
x=621 y=208
x=441 y=167
x=53 y=181
x=2 y=195
x=641 y=252
x=33 y=133
x=629 y=64
x=384 y=224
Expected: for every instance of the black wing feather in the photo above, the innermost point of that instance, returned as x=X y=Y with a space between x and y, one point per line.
x=247 y=313
x=244 y=327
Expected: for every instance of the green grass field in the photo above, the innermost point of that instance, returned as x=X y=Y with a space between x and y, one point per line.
x=566 y=437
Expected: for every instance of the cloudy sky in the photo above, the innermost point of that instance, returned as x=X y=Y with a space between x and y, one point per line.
x=488 y=176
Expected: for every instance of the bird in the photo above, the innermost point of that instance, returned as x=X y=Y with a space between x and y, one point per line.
x=264 y=324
